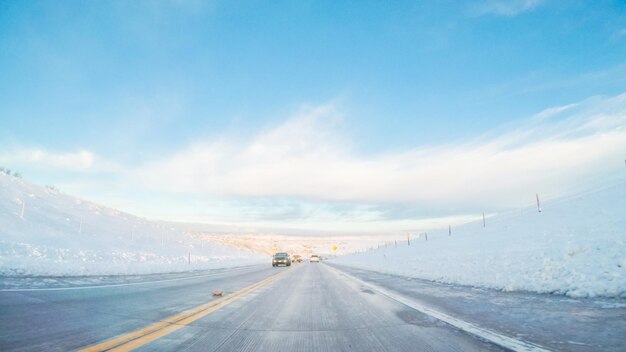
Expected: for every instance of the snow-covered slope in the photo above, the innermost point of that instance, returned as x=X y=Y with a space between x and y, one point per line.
x=62 y=235
x=575 y=246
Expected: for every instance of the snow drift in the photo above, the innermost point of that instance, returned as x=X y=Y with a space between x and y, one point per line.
x=45 y=232
x=575 y=246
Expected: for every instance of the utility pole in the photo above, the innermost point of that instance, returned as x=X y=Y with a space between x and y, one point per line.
x=483 y=219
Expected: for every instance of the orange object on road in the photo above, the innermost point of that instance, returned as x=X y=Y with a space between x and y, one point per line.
x=218 y=293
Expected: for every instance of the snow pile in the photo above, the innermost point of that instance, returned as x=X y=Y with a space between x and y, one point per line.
x=45 y=232
x=575 y=246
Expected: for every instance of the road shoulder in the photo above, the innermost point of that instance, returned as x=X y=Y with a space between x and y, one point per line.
x=555 y=322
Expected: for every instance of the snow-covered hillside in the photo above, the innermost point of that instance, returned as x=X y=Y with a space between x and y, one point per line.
x=575 y=246
x=45 y=232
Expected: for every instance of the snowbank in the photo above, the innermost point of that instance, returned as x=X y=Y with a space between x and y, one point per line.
x=44 y=232
x=575 y=246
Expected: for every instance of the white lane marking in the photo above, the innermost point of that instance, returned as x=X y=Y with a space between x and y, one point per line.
x=117 y=285
x=491 y=336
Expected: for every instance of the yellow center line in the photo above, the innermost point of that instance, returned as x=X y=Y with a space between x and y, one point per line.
x=138 y=338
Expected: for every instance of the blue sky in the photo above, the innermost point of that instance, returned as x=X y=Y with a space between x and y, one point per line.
x=268 y=113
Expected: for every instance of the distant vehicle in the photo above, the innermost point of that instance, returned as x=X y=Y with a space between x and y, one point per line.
x=296 y=258
x=281 y=258
x=315 y=258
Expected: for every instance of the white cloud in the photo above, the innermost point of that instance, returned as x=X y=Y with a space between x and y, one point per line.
x=306 y=158
x=81 y=160
x=306 y=173
x=550 y=112
x=504 y=7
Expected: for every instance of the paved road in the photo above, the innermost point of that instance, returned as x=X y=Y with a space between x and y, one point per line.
x=307 y=308
x=62 y=320
x=557 y=322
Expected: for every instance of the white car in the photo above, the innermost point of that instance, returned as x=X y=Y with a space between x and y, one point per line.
x=315 y=258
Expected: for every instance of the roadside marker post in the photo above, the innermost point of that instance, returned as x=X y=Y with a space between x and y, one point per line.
x=22 y=211
x=538 y=204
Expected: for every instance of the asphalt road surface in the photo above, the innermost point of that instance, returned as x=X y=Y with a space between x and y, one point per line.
x=308 y=307
x=556 y=322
